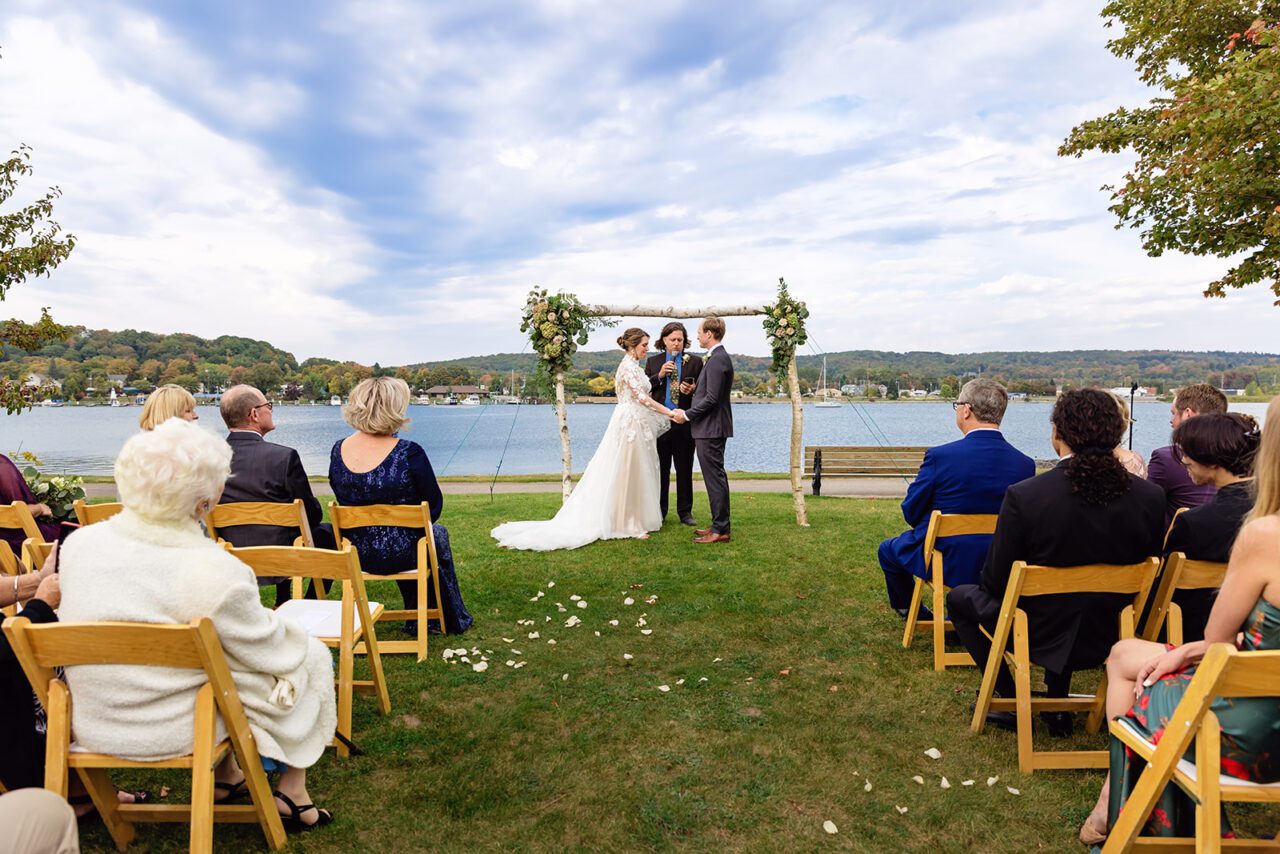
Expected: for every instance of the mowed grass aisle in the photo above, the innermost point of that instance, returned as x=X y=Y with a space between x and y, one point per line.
x=581 y=750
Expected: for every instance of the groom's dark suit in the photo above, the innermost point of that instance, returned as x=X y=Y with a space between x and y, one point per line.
x=675 y=445
x=711 y=423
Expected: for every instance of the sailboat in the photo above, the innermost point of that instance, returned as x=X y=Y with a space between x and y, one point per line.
x=826 y=402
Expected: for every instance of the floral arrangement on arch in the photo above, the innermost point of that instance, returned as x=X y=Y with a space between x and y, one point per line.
x=59 y=492
x=784 y=326
x=558 y=324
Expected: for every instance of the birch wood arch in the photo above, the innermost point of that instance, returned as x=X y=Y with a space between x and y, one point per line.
x=677 y=313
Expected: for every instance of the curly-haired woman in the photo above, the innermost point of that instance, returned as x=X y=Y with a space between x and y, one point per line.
x=1088 y=509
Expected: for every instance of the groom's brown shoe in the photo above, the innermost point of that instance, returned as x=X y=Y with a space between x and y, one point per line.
x=701 y=532
x=712 y=537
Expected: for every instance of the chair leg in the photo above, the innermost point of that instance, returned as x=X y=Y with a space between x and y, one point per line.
x=422 y=613
x=202 y=762
x=103 y=794
x=1098 y=714
x=57 y=739
x=1209 y=802
x=346 y=664
x=917 y=595
x=259 y=790
x=1173 y=624
x=939 y=627
x=375 y=665
x=1022 y=691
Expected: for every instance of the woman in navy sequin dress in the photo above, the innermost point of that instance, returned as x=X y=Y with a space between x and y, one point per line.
x=374 y=466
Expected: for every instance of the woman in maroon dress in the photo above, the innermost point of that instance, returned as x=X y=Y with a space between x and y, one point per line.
x=13 y=487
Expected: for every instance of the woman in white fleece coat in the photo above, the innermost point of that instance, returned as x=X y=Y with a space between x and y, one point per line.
x=151 y=563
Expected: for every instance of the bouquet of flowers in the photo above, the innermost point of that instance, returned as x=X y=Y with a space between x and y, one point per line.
x=59 y=492
x=557 y=325
x=784 y=326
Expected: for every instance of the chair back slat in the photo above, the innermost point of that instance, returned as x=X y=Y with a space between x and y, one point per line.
x=943 y=525
x=1250 y=674
x=1173 y=522
x=17 y=517
x=68 y=644
x=90 y=514
x=1199 y=574
x=391 y=515
x=291 y=514
x=1091 y=578
x=293 y=562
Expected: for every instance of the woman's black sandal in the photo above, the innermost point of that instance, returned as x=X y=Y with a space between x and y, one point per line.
x=139 y=797
x=293 y=822
x=233 y=791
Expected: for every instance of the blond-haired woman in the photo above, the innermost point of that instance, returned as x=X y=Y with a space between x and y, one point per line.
x=1147 y=680
x=167 y=401
x=375 y=466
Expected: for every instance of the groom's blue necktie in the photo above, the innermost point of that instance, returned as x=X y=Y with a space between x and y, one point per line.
x=671 y=405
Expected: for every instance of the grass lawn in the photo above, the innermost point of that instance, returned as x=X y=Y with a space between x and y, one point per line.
x=581 y=750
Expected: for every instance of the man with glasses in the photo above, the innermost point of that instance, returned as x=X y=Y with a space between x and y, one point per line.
x=265 y=471
x=1166 y=469
x=969 y=475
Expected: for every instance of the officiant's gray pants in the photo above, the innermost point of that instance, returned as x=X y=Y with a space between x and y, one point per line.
x=711 y=460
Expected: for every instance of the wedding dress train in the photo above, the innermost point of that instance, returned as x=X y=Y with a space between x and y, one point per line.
x=617 y=496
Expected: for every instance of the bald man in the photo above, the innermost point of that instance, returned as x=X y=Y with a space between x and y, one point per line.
x=265 y=471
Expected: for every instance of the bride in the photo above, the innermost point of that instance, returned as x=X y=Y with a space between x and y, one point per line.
x=617 y=495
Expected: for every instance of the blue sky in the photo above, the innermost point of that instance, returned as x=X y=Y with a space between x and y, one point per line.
x=384 y=181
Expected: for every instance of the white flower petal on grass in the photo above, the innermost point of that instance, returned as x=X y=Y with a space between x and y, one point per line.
x=917 y=778
x=867 y=787
x=613 y=622
x=582 y=603
x=946 y=784
x=628 y=601
x=480 y=666
x=464 y=659
x=933 y=753
x=574 y=598
x=714 y=660
x=679 y=681
x=597 y=634
x=516 y=651
x=448 y=654
x=901 y=810
x=991 y=781
x=966 y=782
x=641 y=623
x=510 y=663
x=646 y=631
x=564 y=678
x=534 y=599
x=664 y=688
x=551 y=641
x=1013 y=791
x=830 y=827
x=551 y=584
x=534 y=635
x=703 y=679
x=508 y=640
x=574 y=620
x=561 y=609
x=520 y=664
x=626 y=656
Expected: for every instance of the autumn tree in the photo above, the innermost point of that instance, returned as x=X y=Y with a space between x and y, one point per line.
x=1207 y=176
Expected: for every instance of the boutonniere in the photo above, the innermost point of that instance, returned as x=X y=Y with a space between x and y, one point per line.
x=684 y=360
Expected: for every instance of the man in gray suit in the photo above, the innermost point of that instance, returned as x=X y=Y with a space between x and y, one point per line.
x=711 y=422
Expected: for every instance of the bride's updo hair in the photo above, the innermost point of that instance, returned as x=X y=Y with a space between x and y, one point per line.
x=631 y=337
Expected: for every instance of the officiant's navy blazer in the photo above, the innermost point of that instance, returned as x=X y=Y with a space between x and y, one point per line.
x=969 y=475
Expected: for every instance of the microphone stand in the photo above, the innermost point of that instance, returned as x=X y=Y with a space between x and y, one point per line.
x=1133 y=391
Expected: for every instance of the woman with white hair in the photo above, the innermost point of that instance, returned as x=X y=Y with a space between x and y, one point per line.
x=375 y=466
x=151 y=564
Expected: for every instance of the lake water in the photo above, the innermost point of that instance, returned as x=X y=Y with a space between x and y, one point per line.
x=470 y=440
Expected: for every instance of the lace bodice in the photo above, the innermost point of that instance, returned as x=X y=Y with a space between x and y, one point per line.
x=631 y=385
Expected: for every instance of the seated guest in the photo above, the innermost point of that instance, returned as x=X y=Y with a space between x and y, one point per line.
x=151 y=564
x=374 y=466
x=1086 y=510
x=1129 y=458
x=13 y=487
x=969 y=475
x=1246 y=614
x=1217 y=449
x=37 y=821
x=265 y=471
x=1166 y=469
x=167 y=401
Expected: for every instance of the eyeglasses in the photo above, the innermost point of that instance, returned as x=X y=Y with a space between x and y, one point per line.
x=956 y=404
x=260 y=405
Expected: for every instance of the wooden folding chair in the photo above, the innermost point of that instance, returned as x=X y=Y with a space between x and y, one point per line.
x=1178 y=573
x=1173 y=522
x=194 y=646
x=400 y=516
x=17 y=516
x=941 y=526
x=89 y=514
x=340 y=625
x=286 y=514
x=1025 y=580
x=1223 y=672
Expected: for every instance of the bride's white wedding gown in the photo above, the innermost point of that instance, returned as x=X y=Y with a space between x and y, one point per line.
x=617 y=495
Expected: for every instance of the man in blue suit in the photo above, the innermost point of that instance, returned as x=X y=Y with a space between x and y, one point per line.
x=969 y=475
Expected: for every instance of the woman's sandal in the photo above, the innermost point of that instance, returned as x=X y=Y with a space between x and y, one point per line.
x=225 y=793
x=293 y=822
x=139 y=797
x=1091 y=837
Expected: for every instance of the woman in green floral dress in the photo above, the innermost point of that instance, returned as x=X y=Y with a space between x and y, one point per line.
x=1147 y=680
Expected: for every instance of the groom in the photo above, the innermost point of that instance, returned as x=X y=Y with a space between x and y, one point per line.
x=711 y=423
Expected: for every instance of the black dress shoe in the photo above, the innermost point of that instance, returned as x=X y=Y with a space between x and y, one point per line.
x=688 y=520
x=1059 y=724
x=924 y=613
x=1003 y=720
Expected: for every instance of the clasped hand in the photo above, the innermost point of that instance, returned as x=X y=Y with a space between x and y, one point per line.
x=678 y=416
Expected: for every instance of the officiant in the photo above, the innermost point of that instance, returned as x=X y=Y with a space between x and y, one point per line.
x=673 y=373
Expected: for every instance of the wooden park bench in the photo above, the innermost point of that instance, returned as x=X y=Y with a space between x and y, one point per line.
x=861 y=461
